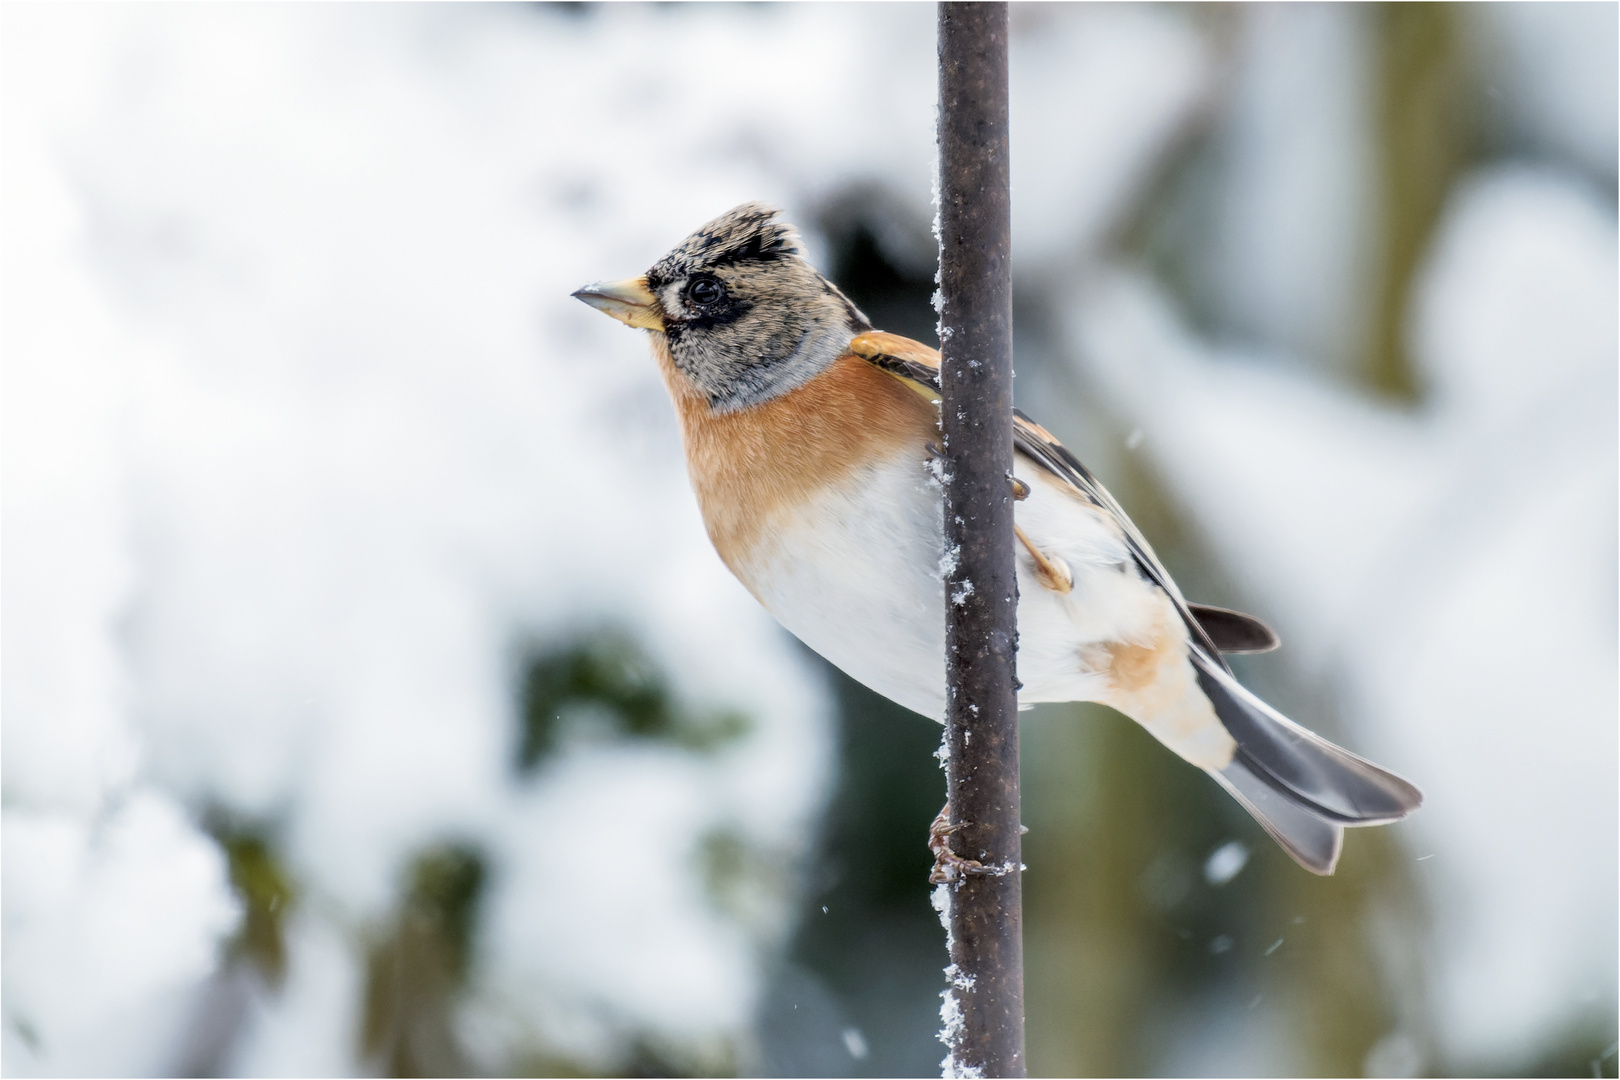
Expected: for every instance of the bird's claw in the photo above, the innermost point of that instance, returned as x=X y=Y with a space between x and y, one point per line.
x=948 y=865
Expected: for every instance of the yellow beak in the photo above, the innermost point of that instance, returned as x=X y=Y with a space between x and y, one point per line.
x=631 y=302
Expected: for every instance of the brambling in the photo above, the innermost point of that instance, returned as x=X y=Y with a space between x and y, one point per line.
x=810 y=440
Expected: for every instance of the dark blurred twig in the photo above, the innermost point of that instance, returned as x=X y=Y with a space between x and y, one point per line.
x=985 y=1002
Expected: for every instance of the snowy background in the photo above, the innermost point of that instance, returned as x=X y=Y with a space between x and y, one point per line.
x=373 y=702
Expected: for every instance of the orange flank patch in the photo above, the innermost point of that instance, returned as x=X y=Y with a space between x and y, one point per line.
x=752 y=467
x=1153 y=683
x=1135 y=668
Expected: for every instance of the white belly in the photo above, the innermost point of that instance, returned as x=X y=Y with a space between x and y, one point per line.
x=855 y=575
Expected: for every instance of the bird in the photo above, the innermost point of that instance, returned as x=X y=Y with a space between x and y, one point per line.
x=811 y=442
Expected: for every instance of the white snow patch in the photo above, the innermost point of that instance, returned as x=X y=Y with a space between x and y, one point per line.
x=109 y=927
x=1226 y=862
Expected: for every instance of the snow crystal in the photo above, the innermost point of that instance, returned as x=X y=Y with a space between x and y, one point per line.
x=960 y=595
x=951 y=1023
x=1226 y=862
x=940 y=898
x=936 y=188
x=956 y=977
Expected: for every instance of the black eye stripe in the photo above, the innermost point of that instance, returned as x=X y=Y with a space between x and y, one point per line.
x=720 y=315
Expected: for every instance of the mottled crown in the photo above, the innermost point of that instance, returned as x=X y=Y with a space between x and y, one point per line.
x=745 y=317
x=746 y=233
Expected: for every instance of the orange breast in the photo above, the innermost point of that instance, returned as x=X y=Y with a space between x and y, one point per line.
x=753 y=467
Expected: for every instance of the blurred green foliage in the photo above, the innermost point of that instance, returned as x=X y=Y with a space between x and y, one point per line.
x=419 y=962
x=1115 y=926
x=603 y=686
x=598 y=686
x=1428 y=133
x=265 y=888
x=748 y=886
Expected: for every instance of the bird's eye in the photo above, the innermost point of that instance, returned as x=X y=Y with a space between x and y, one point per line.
x=705 y=291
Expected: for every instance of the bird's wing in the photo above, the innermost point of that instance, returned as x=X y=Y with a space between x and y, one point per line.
x=917 y=365
x=1300 y=787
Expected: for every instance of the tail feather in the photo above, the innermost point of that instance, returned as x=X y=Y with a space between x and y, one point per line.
x=1300 y=787
x=1302 y=765
x=1311 y=839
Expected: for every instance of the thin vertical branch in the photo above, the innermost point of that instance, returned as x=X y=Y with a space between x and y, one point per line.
x=984 y=1002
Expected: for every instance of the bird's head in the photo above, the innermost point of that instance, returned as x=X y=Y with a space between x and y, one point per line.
x=744 y=316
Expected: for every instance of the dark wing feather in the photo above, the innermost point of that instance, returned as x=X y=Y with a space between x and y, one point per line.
x=1235 y=632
